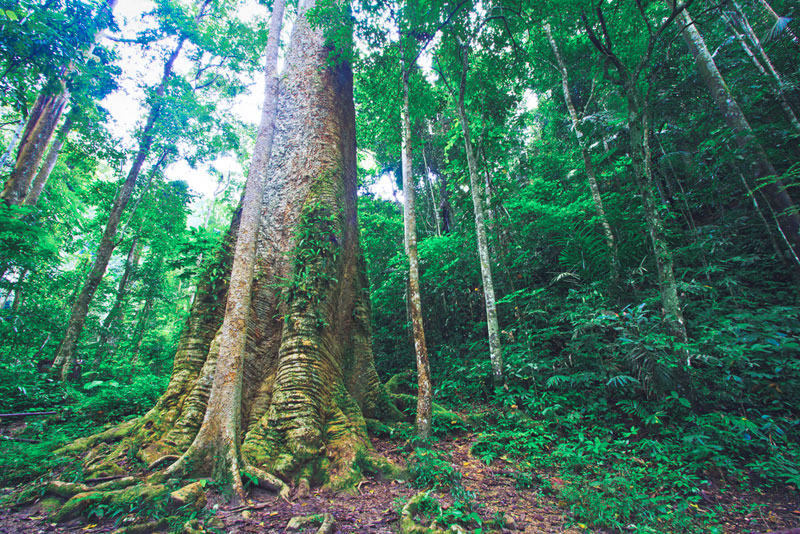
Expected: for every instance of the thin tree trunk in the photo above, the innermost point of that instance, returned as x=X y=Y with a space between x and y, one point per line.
x=32 y=198
x=777 y=17
x=220 y=433
x=424 y=392
x=495 y=349
x=639 y=127
x=429 y=187
x=587 y=158
x=740 y=38
x=115 y=315
x=760 y=167
x=779 y=84
x=65 y=357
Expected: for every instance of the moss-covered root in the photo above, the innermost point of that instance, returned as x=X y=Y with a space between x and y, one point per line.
x=302 y=522
x=413 y=509
x=267 y=481
x=139 y=494
x=145 y=528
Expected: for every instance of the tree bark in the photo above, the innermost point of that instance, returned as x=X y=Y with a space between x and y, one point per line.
x=32 y=198
x=65 y=357
x=39 y=130
x=424 y=391
x=219 y=435
x=760 y=166
x=308 y=376
x=639 y=128
x=495 y=349
x=587 y=158
x=779 y=84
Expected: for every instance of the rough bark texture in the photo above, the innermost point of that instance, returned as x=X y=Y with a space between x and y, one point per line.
x=32 y=198
x=587 y=158
x=39 y=129
x=424 y=392
x=219 y=435
x=65 y=357
x=308 y=378
x=760 y=166
x=495 y=350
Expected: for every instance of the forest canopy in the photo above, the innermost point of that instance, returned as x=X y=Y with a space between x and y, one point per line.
x=465 y=252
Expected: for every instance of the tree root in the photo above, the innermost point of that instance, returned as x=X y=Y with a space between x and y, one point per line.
x=145 y=528
x=268 y=481
x=413 y=508
x=135 y=495
x=68 y=490
x=169 y=458
x=301 y=522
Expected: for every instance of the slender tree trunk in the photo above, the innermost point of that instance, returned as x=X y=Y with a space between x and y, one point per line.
x=65 y=357
x=639 y=127
x=32 y=198
x=495 y=349
x=115 y=315
x=429 y=188
x=587 y=158
x=743 y=43
x=219 y=435
x=424 y=392
x=760 y=166
x=779 y=84
x=12 y=143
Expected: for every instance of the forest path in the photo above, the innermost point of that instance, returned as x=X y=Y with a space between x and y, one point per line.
x=375 y=509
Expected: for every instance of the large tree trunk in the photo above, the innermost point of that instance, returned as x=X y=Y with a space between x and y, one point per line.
x=587 y=158
x=39 y=129
x=495 y=350
x=41 y=126
x=760 y=166
x=65 y=357
x=32 y=198
x=424 y=391
x=219 y=435
x=307 y=375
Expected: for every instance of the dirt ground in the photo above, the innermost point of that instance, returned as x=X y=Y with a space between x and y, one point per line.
x=374 y=510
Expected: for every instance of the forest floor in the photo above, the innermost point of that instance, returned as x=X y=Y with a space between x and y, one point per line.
x=374 y=510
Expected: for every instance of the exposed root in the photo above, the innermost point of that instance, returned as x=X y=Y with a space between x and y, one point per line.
x=145 y=528
x=268 y=481
x=167 y=459
x=416 y=507
x=137 y=495
x=301 y=522
x=70 y=489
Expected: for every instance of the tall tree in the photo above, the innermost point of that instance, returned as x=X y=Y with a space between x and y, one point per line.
x=495 y=348
x=424 y=392
x=587 y=157
x=308 y=379
x=635 y=81
x=65 y=357
x=761 y=169
x=42 y=123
